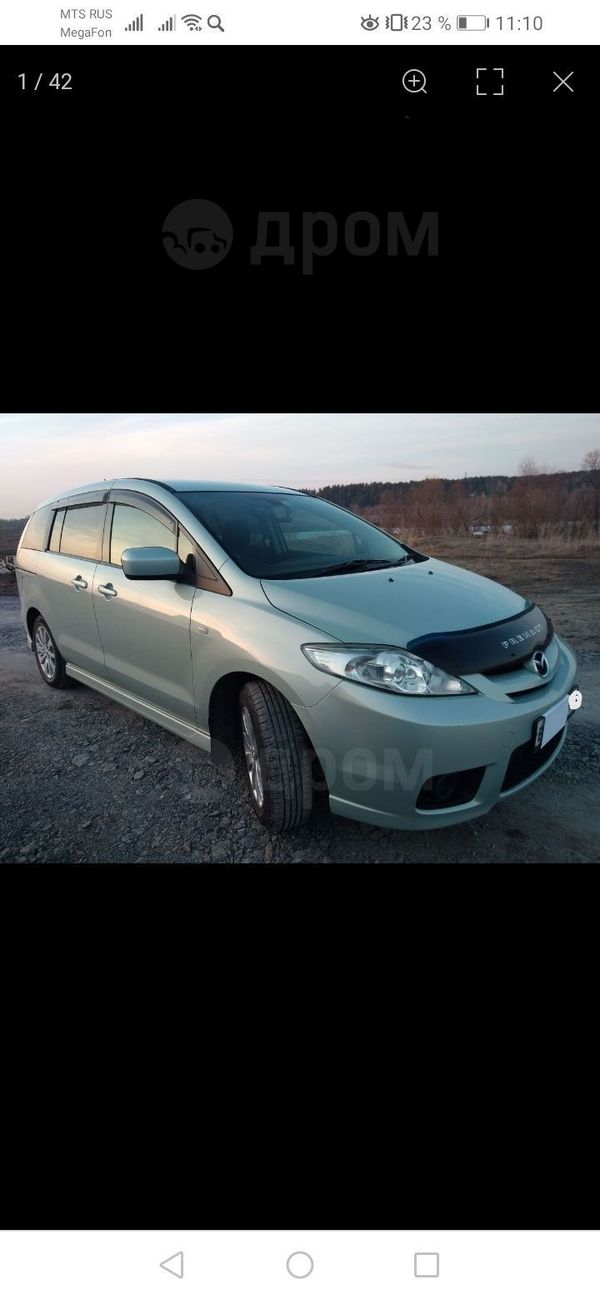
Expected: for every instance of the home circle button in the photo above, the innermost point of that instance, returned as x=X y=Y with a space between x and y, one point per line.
x=300 y=1264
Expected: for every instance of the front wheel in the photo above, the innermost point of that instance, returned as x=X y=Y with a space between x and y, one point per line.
x=278 y=757
x=47 y=655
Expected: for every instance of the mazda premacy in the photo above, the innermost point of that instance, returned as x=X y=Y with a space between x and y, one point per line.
x=328 y=654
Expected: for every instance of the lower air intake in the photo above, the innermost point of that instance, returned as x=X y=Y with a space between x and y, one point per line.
x=524 y=761
x=450 y=789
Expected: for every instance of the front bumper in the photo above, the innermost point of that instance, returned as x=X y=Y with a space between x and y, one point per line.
x=377 y=750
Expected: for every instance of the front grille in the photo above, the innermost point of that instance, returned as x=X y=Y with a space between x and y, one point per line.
x=450 y=789
x=530 y=690
x=524 y=761
x=508 y=668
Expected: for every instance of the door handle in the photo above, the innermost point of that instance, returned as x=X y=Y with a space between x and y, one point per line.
x=79 y=582
x=109 y=591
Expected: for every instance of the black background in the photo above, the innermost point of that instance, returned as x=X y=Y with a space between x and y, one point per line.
x=316 y=1046
x=101 y=317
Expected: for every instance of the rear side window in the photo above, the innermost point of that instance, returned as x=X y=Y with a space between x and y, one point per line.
x=35 y=537
x=133 y=527
x=56 y=530
x=82 y=532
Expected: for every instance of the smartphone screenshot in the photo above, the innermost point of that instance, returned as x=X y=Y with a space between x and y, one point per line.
x=299 y=589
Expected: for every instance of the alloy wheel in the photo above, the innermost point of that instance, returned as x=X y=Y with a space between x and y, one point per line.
x=252 y=757
x=46 y=653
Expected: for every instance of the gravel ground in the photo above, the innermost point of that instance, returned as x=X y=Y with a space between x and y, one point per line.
x=86 y=781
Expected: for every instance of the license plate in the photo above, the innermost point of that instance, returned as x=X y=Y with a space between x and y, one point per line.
x=554 y=719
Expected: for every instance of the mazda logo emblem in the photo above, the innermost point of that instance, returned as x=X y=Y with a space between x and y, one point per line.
x=540 y=663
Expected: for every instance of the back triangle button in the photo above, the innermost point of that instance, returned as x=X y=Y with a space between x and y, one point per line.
x=174 y=1264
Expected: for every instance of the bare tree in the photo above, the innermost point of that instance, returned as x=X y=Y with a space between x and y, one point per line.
x=528 y=467
x=591 y=465
x=458 y=509
x=424 y=505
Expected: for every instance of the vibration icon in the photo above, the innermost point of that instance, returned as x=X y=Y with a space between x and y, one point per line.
x=137 y=25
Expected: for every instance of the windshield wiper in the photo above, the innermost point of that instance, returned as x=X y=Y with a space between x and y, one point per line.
x=359 y=565
x=393 y=564
x=355 y=566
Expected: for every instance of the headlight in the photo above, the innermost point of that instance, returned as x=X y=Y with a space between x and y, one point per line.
x=386 y=667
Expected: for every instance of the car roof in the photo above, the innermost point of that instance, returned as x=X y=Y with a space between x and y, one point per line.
x=209 y=485
x=170 y=485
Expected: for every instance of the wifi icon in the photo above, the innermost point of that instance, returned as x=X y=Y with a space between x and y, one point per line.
x=192 y=21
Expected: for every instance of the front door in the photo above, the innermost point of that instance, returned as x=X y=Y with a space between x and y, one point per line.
x=145 y=625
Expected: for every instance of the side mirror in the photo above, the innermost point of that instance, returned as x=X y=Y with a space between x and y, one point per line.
x=150 y=562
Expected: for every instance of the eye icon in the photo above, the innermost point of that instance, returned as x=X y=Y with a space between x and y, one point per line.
x=369 y=23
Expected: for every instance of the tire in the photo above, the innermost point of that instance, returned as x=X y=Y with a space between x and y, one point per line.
x=47 y=653
x=278 y=758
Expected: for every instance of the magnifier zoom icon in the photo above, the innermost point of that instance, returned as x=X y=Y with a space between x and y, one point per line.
x=214 y=21
x=414 y=81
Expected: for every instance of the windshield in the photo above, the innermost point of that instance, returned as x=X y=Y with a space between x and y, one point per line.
x=282 y=535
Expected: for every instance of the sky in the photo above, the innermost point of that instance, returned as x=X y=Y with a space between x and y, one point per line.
x=43 y=454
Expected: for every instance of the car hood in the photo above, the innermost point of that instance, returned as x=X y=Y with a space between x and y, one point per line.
x=395 y=606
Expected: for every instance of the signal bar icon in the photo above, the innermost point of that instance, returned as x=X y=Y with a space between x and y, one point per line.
x=137 y=25
x=169 y=24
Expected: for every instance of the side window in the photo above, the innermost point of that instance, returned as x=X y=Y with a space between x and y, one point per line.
x=197 y=566
x=82 y=531
x=133 y=527
x=35 y=537
x=54 y=543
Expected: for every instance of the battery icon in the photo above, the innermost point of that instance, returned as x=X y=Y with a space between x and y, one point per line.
x=472 y=22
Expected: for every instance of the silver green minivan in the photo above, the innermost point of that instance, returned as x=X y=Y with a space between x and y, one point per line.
x=271 y=623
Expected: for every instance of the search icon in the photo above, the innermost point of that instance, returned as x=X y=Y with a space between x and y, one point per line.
x=414 y=81
x=215 y=21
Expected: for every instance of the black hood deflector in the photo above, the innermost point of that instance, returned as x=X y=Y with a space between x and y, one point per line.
x=493 y=648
